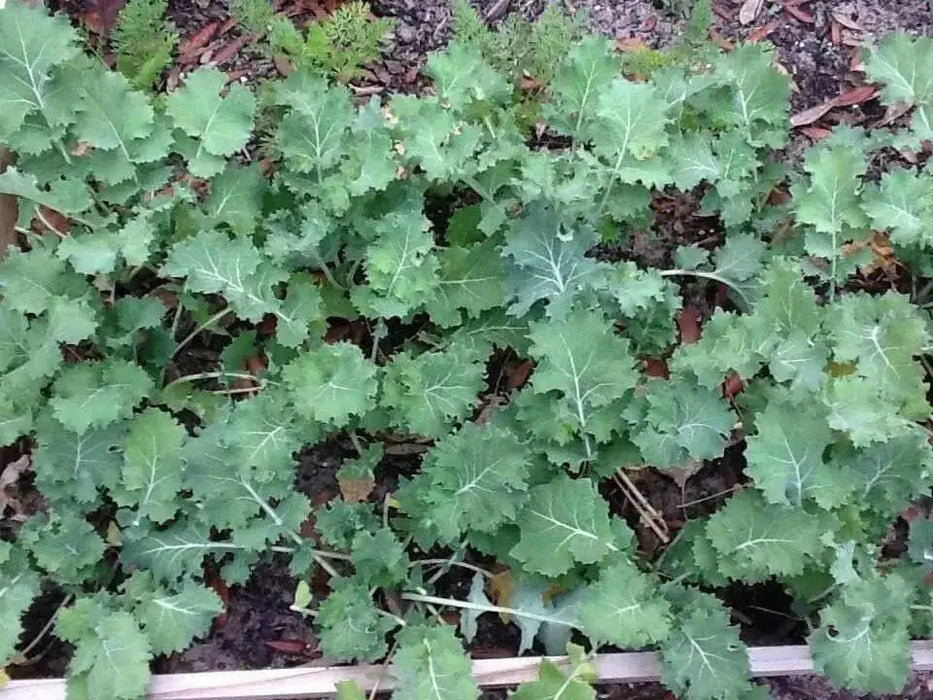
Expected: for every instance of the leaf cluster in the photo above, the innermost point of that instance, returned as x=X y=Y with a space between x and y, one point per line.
x=349 y=310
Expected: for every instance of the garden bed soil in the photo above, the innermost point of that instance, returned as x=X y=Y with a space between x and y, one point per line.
x=816 y=44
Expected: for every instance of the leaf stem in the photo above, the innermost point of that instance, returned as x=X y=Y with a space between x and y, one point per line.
x=446 y=562
x=709 y=276
x=454 y=603
x=218 y=375
x=209 y=322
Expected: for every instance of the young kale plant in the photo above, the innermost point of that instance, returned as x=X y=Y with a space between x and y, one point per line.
x=143 y=235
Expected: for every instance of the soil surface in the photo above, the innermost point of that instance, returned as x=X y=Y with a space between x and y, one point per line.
x=817 y=45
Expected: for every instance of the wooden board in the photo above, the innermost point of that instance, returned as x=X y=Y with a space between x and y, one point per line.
x=316 y=682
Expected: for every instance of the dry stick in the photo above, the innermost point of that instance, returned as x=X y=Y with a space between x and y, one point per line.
x=209 y=322
x=48 y=626
x=648 y=514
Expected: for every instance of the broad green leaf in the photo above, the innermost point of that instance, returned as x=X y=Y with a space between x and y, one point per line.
x=902 y=203
x=379 y=558
x=565 y=521
x=683 y=422
x=430 y=390
x=169 y=554
x=756 y=540
x=19 y=588
x=72 y=466
x=631 y=121
x=904 y=65
x=236 y=198
x=113 y=659
x=471 y=279
x=888 y=475
x=262 y=438
x=64 y=545
x=152 y=470
x=473 y=479
x=432 y=665
x=584 y=74
x=704 y=659
x=172 y=619
x=221 y=124
x=96 y=394
x=331 y=384
x=31 y=44
x=554 y=684
x=400 y=266
x=625 y=608
x=30 y=281
x=434 y=140
x=862 y=641
x=461 y=75
x=582 y=358
x=830 y=201
x=786 y=457
x=759 y=102
x=547 y=261
x=111 y=115
x=349 y=624
x=312 y=136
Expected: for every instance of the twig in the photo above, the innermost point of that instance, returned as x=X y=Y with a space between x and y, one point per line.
x=447 y=562
x=648 y=514
x=48 y=626
x=209 y=322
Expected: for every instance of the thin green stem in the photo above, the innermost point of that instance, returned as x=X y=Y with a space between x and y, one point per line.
x=207 y=324
x=447 y=562
x=218 y=375
x=356 y=442
x=467 y=605
x=709 y=276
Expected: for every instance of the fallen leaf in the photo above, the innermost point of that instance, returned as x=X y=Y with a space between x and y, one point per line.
x=632 y=43
x=9 y=478
x=808 y=116
x=846 y=21
x=293 y=647
x=519 y=375
x=763 y=32
x=230 y=50
x=8 y=209
x=857 y=95
x=732 y=386
x=657 y=367
x=356 y=490
x=199 y=39
x=798 y=13
x=501 y=589
x=100 y=16
x=749 y=11
x=688 y=321
x=816 y=133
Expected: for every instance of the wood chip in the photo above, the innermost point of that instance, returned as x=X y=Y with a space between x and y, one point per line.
x=763 y=32
x=8 y=209
x=846 y=21
x=231 y=49
x=798 y=13
x=815 y=133
x=749 y=11
x=199 y=39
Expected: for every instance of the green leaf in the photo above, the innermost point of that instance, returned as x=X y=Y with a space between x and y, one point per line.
x=236 y=198
x=469 y=278
x=31 y=44
x=755 y=539
x=221 y=125
x=565 y=521
x=432 y=665
x=683 y=422
x=786 y=460
x=331 y=384
x=379 y=558
x=902 y=203
x=152 y=471
x=904 y=65
x=20 y=587
x=759 y=102
x=63 y=544
x=474 y=479
x=586 y=71
x=172 y=619
x=349 y=624
x=704 y=659
x=547 y=261
x=30 y=281
x=74 y=467
x=862 y=641
x=888 y=475
x=554 y=684
x=111 y=115
x=583 y=359
x=96 y=394
x=113 y=659
x=400 y=266
x=450 y=68
x=312 y=136
x=261 y=437
x=625 y=608
x=173 y=552
x=430 y=390
x=65 y=196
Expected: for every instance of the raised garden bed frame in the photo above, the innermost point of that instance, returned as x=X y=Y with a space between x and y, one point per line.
x=318 y=682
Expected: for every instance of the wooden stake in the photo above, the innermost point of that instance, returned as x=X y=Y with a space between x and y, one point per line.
x=310 y=682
